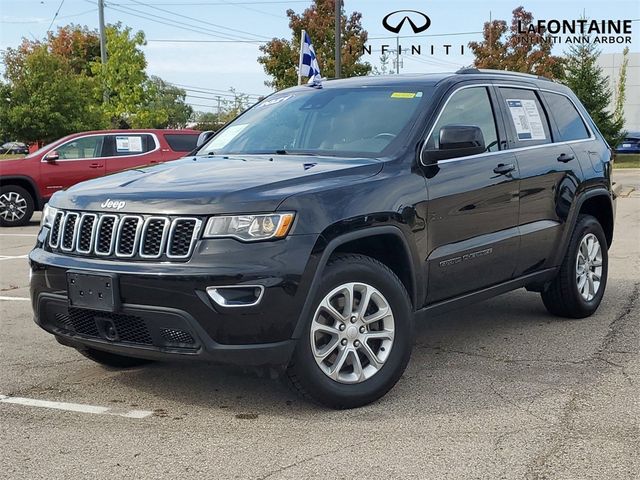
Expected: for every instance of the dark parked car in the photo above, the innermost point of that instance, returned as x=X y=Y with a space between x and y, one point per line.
x=315 y=228
x=630 y=144
x=27 y=183
x=16 y=148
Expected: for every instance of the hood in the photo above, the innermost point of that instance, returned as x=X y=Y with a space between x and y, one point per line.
x=216 y=184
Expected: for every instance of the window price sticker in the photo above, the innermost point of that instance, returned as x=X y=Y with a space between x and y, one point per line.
x=526 y=119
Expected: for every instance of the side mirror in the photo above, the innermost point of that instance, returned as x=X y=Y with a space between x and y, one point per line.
x=456 y=141
x=203 y=137
x=52 y=156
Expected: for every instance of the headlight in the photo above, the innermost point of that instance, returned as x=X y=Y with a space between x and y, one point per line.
x=250 y=227
x=48 y=215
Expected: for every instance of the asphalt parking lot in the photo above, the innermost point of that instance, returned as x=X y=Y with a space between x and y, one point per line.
x=497 y=390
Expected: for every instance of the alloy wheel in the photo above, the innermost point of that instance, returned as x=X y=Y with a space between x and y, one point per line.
x=13 y=206
x=352 y=332
x=589 y=267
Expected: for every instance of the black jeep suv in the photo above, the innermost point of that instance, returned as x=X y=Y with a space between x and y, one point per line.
x=311 y=231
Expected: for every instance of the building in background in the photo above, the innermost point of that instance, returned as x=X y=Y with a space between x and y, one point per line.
x=610 y=64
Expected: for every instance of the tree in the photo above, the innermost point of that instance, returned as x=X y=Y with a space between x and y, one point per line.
x=384 y=69
x=585 y=78
x=621 y=88
x=281 y=56
x=125 y=79
x=528 y=52
x=78 y=45
x=170 y=100
x=207 y=121
x=45 y=100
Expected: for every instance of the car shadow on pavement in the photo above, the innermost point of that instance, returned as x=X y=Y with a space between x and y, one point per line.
x=469 y=358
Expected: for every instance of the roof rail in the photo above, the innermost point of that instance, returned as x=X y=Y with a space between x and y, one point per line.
x=471 y=70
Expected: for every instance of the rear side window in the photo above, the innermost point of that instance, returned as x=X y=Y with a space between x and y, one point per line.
x=181 y=142
x=526 y=117
x=570 y=124
x=122 y=145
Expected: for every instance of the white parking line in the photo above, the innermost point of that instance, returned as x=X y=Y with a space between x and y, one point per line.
x=11 y=257
x=20 y=299
x=74 y=407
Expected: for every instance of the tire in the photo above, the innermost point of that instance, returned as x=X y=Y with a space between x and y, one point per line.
x=360 y=380
x=16 y=206
x=564 y=297
x=112 y=360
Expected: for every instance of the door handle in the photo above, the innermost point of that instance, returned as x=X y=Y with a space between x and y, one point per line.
x=504 y=168
x=564 y=158
x=95 y=165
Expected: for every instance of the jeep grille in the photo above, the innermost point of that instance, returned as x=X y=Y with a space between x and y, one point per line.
x=124 y=236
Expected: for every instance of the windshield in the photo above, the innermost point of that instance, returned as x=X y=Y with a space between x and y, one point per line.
x=364 y=121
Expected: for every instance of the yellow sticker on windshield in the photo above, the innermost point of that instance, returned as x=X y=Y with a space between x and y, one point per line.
x=404 y=95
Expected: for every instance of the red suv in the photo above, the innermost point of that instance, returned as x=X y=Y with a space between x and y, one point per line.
x=27 y=183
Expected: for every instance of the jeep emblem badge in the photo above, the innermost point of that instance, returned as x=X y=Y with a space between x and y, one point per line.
x=116 y=205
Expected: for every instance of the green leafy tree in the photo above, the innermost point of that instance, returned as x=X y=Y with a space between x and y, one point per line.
x=505 y=48
x=621 y=88
x=233 y=106
x=281 y=56
x=124 y=77
x=585 y=78
x=207 y=121
x=169 y=99
x=44 y=99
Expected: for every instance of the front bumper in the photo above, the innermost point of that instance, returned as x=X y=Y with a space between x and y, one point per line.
x=165 y=311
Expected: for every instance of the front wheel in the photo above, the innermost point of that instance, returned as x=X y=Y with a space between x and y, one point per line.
x=577 y=290
x=357 y=344
x=16 y=206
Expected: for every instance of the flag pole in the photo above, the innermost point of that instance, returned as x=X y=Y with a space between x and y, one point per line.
x=301 y=54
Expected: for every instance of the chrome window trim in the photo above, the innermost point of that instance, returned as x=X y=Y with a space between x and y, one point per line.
x=221 y=301
x=163 y=241
x=194 y=237
x=114 y=234
x=93 y=232
x=75 y=232
x=153 y=135
x=136 y=239
x=62 y=214
x=518 y=149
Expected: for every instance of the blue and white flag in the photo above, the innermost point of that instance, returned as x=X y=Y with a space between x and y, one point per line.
x=308 y=61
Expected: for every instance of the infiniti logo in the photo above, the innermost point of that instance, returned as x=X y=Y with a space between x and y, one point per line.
x=395 y=21
x=117 y=205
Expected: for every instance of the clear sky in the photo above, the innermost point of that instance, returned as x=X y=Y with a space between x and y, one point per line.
x=212 y=45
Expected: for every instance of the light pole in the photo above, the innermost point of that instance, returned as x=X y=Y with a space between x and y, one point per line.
x=103 y=45
x=338 y=38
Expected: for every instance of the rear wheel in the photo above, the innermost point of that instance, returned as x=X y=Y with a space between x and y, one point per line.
x=112 y=360
x=16 y=206
x=357 y=344
x=578 y=289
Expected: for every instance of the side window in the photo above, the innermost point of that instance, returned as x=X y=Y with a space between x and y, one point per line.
x=570 y=124
x=526 y=116
x=122 y=145
x=469 y=106
x=80 y=148
x=181 y=142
